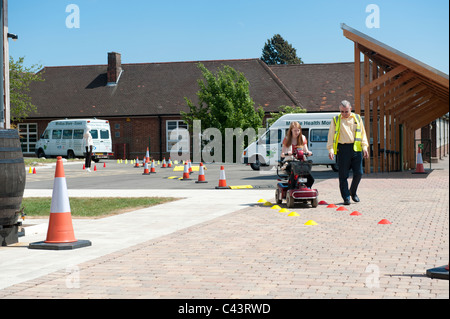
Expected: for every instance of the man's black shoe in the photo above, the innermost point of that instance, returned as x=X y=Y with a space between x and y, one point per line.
x=355 y=198
x=347 y=201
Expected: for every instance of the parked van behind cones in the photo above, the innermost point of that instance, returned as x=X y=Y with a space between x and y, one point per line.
x=267 y=149
x=65 y=138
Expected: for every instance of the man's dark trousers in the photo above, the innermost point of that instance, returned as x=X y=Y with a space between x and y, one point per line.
x=348 y=159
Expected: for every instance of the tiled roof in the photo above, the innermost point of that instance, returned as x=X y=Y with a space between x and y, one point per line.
x=318 y=87
x=143 y=89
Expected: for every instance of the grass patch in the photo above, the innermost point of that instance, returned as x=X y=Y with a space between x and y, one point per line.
x=34 y=161
x=92 y=207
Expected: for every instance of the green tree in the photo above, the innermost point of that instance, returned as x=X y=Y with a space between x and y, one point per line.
x=224 y=101
x=279 y=51
x=20 y=78
x=284 y=109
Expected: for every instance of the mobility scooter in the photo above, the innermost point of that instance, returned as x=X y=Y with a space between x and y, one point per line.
x=291 y=186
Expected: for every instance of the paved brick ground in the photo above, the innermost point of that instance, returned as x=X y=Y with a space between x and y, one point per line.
x=258 y=252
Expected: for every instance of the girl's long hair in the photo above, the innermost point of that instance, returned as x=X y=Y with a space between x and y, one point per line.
x=289 y=134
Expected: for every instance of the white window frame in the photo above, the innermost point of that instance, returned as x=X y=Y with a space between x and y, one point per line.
x=25 y=137
x=179 y=131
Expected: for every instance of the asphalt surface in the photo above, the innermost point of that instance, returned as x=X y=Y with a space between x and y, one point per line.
x=125 y=176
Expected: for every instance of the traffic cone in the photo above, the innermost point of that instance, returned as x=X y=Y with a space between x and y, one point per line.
x=384 y=222
x=169 y=165
x=331 y=206
x=189 y=166
x=201 y=175
x=164 y=163
x=95 y=168
x=34 y=170
x=152 y=168
x=419 y=164
x=186 y=176
x=147 y=156
x=322 y=202
x=342 y=208
x=104 y=165
x=30 y=171
x=146 y=171
x=136 y=165
x=60 y=234
x=222 y=179
x=355 y=213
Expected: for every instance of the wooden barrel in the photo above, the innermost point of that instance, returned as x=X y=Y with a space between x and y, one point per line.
x=12 y=177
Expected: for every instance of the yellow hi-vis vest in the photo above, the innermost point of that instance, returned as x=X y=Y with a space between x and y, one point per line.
x=357 y=143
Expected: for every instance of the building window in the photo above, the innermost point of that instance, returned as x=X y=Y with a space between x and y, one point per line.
x=177 y=136
x=28 y=137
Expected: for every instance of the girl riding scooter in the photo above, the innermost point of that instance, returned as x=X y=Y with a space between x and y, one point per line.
x=295 y=140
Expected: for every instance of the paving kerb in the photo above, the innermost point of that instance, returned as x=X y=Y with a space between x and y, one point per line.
x=252 y=252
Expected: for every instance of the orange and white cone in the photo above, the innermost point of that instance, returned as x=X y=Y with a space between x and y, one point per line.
x=419 y=164
x=222 y=179
x=147 y=156
x=169 y=164
x=164 y=165
x=201 y=174
x=152 y=168
x=186 y=176
x=136 y=165
x=146 y=171
x=190 y=167
x=60 y=228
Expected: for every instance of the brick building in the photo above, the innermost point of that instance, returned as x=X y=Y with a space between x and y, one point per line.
x=143 y=101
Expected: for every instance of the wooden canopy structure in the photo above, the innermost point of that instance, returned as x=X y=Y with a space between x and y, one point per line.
x=397 y=95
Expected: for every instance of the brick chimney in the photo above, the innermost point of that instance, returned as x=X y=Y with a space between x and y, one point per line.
x=114 y=68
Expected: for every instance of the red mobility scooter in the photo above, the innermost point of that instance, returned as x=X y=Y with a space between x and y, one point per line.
x=291 y=186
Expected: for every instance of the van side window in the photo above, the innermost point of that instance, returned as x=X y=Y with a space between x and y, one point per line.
x=67 y=134
x=46 y=135
x=273 y=137
x=56 y=134
x=104 y=134
x=78 y=134
x=94 y=134
x=319 y=135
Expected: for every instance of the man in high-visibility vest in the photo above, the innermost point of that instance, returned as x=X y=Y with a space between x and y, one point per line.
x=348 y=141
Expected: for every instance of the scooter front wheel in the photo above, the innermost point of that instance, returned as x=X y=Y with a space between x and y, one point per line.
x=290 y=202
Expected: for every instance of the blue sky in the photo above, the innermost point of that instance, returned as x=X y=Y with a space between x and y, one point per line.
x=192 y=30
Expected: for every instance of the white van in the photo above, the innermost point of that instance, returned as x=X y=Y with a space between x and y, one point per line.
x=267 y=150
x=65 y=138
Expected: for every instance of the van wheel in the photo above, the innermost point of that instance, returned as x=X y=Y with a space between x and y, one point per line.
x=40 y=153
x=70 y=154
x=256 y=165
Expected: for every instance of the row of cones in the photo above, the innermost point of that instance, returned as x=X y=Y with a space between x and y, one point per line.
x=188 y=170
x=354 y=213
x=311 y=222
x=285 y=210
x=95 y=167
